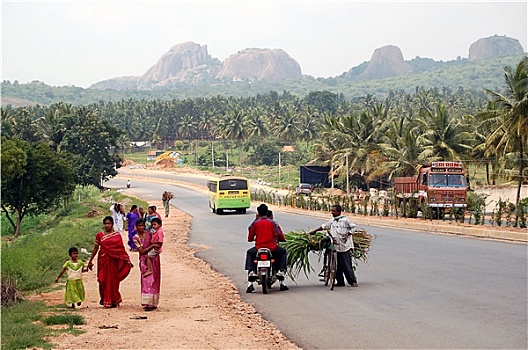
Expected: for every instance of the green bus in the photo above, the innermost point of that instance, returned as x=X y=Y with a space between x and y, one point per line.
x=229 y=193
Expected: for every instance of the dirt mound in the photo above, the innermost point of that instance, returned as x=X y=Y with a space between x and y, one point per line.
x=334 y=192
x=127 y=162
x=93 y=213
x=166 y=163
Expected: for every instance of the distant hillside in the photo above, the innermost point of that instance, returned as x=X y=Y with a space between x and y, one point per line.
x=191 y=64
x=427 y=73
x=16 y=102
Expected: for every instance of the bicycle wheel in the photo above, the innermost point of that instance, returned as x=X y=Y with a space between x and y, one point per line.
x=332 y=269
x=326 y=269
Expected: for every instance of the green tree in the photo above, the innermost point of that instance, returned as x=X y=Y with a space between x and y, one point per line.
x=34 y=179
x=267 y=153
x=93 y=144
x=446 y=137
x=508 y=113
x=401 y=147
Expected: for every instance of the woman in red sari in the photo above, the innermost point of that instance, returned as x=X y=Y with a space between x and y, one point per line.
x=113 y=263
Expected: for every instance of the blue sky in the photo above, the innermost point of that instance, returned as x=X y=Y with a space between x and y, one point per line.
x=81 y=43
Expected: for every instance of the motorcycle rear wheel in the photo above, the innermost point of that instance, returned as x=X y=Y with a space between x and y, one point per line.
x=264 y=283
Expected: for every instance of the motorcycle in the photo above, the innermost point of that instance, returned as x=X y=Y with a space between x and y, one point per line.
x=128 y=184
x=266 y=270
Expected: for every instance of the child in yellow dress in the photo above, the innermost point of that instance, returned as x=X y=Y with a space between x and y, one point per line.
x=74 y=285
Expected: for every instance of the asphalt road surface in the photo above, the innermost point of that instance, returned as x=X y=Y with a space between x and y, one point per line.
x=420 y=290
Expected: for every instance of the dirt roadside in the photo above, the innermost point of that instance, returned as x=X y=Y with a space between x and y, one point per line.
x=193 y=313
x=199 y=308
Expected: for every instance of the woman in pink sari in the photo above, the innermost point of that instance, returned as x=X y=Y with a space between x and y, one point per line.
x=150 y=285
x=113 y=263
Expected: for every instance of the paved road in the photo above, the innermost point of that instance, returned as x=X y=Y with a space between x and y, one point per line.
x=420 y=290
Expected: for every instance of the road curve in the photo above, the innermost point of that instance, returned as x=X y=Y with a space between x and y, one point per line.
x=419 y=290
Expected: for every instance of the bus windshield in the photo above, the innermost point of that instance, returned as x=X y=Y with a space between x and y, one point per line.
x=233 y=184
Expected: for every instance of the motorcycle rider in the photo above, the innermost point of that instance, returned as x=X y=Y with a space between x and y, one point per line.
x=128 y=183
x=266 y=233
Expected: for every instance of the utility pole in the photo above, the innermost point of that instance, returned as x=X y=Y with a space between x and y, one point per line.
x=332 y=177
x=212 y=152
x=348 y=180
x=279 y=170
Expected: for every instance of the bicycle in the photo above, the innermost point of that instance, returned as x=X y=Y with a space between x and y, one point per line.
x=330 y=263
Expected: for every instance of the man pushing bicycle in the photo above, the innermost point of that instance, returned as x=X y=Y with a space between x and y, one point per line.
x=341 y=229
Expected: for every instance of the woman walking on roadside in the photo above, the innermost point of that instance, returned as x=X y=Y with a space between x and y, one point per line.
x=150 y=285
x=113 y=263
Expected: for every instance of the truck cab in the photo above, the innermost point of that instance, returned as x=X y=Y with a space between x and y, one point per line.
x=441 y=186
x=444 y=185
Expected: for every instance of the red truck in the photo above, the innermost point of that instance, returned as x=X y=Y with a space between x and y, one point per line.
x=441 y=186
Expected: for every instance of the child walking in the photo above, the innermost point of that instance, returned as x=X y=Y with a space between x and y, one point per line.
x=155 y=244
x=74 y=285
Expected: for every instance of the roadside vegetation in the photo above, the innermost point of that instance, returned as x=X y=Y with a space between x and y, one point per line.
x=367 y=141
x=31 y=262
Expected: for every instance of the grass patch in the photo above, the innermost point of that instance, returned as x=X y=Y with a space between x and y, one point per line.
x=20 y=328
x=23 y=325
x=69 y=319
x=138 y=157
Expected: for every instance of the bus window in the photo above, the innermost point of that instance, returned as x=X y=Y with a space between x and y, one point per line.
x=233 y=184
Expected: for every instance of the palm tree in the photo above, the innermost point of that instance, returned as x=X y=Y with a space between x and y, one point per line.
x=447 y=138
x=401 y=145
x=257 y=124
x=236 y=127
x=508 y=112
x=353 y=137
x=307 y=124
x=187 y=127
x=123 y=143
x=287 y=126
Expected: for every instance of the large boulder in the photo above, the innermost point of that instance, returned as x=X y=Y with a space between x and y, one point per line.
x=259 y=64
x=493 y=47
x=183 y=63
x=386 y=62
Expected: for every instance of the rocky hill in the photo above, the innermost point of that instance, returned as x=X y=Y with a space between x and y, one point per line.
x=185 y=63
x=259 y=64
x=386 y=62
x=493 y=47
x=190 y=64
